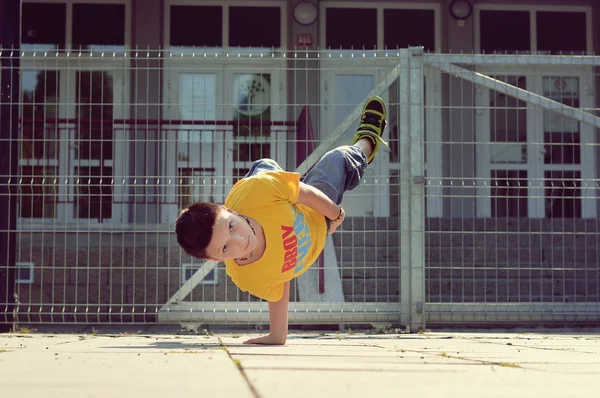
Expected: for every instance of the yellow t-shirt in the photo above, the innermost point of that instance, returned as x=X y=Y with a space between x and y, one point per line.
x=295 y=234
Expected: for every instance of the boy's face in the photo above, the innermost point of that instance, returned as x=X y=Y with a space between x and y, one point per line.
x=232 y=237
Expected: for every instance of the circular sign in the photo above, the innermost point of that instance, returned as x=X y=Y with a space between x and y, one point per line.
x=252 y=94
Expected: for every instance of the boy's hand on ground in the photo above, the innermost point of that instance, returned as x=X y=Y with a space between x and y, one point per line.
x=333 y=225
x=269 y=339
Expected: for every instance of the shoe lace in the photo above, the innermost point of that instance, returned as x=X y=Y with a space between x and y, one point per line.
x=370 y=118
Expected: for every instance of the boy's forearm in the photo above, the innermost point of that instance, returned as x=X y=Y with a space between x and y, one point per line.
x=317 y=200
x=278 y=315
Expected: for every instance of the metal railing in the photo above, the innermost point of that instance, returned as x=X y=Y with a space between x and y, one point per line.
x=482 y=209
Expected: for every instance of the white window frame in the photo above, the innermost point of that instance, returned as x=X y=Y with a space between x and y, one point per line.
x=380 y=7
x=532 y=9
x=196 y=267
x=433 y=114
x=69 y=19
x=67 y=68
x=535 y=166
x=31 y=267
x=224 y=69
x=225 y=21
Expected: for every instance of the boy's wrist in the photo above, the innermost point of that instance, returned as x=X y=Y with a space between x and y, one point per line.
x=338 y=216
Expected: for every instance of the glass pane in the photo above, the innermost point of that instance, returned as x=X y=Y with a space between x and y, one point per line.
x=255 y=27
x=561 y=32
x=508 y=124
x=186 y=31
x=196 y=185
x=239 y=173
x=252 y=107
x=404 y=28
x=394 y=193
x=40 y=111
x=43 y=26
x=39 y=192
x=98 y=25
x=93 y=193
x=94 y=93
x=350 y=91
x=515 y=35
x=562 y=138
x=509 y=193
x=563 y=194
x=198 y=103
x=351 y=28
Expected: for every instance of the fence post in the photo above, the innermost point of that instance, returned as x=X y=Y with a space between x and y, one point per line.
x=412 y=199
x=417 y=188
x=10 y=18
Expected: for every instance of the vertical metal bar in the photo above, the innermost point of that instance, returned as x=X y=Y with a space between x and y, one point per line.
x=9 y=96
x=404 y=197
x=417 y=191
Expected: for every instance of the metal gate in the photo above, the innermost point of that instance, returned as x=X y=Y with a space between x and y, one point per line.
x=518 y=243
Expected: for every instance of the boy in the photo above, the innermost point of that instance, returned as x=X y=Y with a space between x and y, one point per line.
x=273 y=226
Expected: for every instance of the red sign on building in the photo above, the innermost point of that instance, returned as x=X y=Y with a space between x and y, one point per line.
x=304 y=40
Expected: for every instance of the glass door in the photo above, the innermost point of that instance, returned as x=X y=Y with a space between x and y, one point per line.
x=96 y=145
x=566 y=155
x=532 y=162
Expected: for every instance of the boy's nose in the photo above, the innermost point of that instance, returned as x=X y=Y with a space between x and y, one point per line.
x=240 y=240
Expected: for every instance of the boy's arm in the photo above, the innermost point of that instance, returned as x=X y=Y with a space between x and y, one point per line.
x=317 y=200
x=278 y=315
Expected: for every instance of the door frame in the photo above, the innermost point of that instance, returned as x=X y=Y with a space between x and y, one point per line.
x=225 y=69
x=383 y=166
x=535 y=165
x=68 y=68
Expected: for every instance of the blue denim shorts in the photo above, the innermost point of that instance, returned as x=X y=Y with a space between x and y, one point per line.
x=338 y=171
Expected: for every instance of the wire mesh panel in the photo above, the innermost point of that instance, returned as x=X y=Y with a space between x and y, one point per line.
x=518 y=240
x=113 y=145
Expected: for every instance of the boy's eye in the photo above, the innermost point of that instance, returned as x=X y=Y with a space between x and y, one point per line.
x=231 y=226
x=224 y=248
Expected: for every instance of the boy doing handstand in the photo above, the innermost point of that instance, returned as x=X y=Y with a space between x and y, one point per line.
x=272 y=226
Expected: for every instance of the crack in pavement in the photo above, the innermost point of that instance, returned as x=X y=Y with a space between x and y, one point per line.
x=238 y=364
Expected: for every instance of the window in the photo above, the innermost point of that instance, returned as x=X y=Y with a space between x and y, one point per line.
x=533 y=29
x=192 y=25
x=407 y=27
x=561 y=32
x=505 y=31
x=509 y=193
x=563 y=194
x=255 y=27
x=74 y=24
x=188 y=270
x=252 y=106
x=94 y=138
x=351 y=28
x=186 y=31
x=39 y=145
x=98 y=25
x=196 y=185
x=44 y=25
x=25 y=273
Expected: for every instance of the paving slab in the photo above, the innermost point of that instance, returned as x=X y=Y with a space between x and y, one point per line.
x=313 y=365
x=116 y=366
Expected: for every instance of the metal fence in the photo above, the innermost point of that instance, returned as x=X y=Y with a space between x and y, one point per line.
x=518 y=240
x=482 y=209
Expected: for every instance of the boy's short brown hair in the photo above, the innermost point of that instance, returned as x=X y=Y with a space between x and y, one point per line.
x=194 y=227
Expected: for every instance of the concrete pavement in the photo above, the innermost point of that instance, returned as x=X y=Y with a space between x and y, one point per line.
x=433 y=364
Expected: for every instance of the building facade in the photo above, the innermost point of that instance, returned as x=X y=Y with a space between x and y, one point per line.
x=132 y=109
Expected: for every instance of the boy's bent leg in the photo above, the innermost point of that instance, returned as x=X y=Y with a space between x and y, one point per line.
x=263 y=165
x=338 y=171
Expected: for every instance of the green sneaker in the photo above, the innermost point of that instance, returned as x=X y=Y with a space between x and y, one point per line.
x=372 y=124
